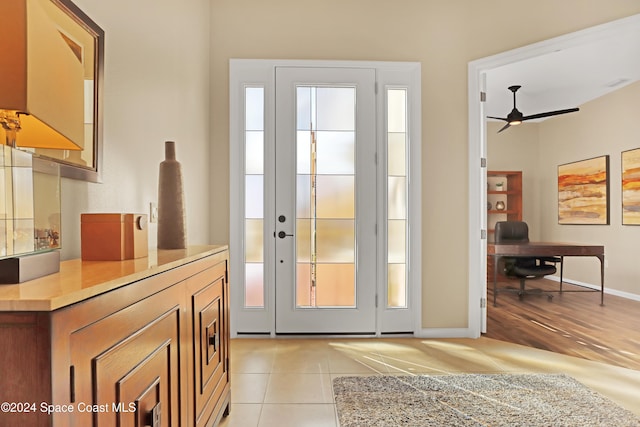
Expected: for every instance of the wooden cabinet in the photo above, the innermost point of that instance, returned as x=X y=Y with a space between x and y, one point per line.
x=152 y=350
x=504 y=203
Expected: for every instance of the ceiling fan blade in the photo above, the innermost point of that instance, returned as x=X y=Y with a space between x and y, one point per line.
x=497 y=118
x=504 y=127
x=550 y=113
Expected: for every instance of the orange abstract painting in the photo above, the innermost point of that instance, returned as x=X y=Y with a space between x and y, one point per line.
x=631 y=187
x=583 y=192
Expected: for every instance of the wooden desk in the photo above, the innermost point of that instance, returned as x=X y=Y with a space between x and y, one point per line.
x=542 y=249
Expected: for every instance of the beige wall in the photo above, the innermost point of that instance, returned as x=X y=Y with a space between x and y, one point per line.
x=167 y=78
x=605 y=126
x=444 y=36
x=156 y=89
x=517 y=149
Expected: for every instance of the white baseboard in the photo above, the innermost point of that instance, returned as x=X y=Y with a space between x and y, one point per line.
x=608 y=291
x=445 y=333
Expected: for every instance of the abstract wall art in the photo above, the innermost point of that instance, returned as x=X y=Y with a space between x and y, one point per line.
x=631 y=187
x=583 y=192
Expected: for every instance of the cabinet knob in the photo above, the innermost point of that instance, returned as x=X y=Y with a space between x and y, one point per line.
x=213 y=340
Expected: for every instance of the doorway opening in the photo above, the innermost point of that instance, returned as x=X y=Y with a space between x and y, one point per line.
x=477 y=74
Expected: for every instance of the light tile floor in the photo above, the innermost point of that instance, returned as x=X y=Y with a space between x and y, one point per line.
x=287 y=382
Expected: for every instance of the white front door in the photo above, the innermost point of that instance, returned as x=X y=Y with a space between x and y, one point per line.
x=326 y=154
x=325 y=200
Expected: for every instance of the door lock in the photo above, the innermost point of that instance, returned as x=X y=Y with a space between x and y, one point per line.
x=282 y=234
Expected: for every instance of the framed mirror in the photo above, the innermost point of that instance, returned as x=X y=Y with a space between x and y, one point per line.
x=86 y=40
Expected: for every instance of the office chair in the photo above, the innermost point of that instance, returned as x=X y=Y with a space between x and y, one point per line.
x=522 y=268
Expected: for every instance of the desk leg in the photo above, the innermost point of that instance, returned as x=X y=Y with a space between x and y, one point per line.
x=561 y=271
x=601 y=258
x=496 y=260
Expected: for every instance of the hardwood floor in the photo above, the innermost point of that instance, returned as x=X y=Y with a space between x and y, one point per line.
x=571 y=323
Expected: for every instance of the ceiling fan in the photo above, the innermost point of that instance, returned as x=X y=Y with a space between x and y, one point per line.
x=515 y=117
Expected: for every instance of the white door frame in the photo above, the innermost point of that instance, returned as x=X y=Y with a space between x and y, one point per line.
x=261 y=73
x=478 y=147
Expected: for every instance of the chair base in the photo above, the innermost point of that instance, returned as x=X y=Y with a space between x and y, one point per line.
x=522 y=291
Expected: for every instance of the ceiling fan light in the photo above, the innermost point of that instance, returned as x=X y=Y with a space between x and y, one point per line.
x=515 y=122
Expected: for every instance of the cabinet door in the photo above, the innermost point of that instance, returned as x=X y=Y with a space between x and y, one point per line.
x=127 y=366
x=25 y=368
x=210 y=338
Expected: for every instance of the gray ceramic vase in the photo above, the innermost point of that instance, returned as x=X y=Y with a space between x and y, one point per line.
x=172 y=226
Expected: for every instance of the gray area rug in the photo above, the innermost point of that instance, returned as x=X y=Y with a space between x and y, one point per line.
x=474 y=400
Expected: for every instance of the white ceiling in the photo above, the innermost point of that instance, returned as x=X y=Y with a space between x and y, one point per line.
x=566 y=78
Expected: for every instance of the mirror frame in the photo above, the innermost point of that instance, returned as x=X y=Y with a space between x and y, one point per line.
x=93 y=172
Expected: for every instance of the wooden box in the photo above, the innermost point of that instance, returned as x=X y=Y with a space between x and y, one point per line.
x=113 y=236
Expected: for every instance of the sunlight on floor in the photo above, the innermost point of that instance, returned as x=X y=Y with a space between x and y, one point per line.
x=287 y=382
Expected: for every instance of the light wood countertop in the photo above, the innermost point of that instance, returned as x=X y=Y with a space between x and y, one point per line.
x=79 y=280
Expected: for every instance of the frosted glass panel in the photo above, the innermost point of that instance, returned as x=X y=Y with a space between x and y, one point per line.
x=254 y=194
x=336 y=285
x=254 y=197
x=336 y=152
x=336 y=196
x=325 y=197
x=254 y=285
x=303 y=152
x=254 y=152
x=335 y=240
x=303 y=200
x=396 y=156
x=397 y=193
x=304 y=117
x=303 y=286
x=336 y=108
x=396 y=290
x=397 y=207
x=303 y=240
x=397 y=110
x=397 y=241
x=254 y=240
x=254 y=108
